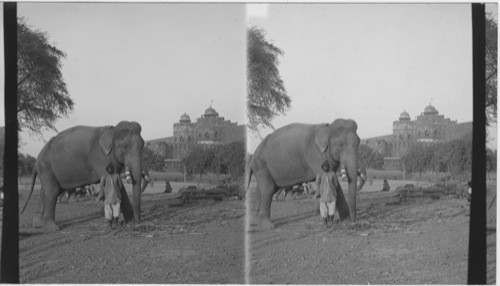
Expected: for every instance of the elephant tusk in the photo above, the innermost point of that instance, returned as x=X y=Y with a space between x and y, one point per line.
x=361 y=175
x=343 y=174
x=128 y=177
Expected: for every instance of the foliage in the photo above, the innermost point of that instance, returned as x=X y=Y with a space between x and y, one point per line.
x=491 y=160
x=453 y=187
x=230 y=159
x=199 y=160
x=267 y=96
x=418 y=159
x=459 y=155
x=454 y=157
x=25 y=164
x=223 y=159
x=491 y=69
x=370 y=158
x=42 y=97
x=152 y=160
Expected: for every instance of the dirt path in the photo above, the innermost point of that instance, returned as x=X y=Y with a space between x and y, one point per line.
x=201 y=242
x=420 y=241
x=415 y=242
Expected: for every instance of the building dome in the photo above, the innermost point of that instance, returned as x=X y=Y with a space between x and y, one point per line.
x=404 y=116
x=185 y=118
x=210 y=112
x=430 y=110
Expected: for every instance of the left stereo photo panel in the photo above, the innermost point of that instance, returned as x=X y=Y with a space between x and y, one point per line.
x=132 y=142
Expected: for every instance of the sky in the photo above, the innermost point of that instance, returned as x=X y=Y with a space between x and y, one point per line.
x=370 y=62
x=148 y=63
x=152 y=62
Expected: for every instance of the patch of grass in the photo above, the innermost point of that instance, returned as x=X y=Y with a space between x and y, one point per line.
x=145 y=227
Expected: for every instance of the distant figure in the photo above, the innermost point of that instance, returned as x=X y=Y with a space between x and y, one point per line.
x=386 y=186
x=284 y=190
x=326 y=182
x=62 y=194
x=312 y=187
x=307 y=188
x=110 y=187
x=297 y=190
x=168 y=188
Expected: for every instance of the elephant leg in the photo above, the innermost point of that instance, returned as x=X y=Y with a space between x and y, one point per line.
x=341 y=204
x=253 y=205
x=37 y=219
x=52 y=190
x=267 y=189
x=126 y=207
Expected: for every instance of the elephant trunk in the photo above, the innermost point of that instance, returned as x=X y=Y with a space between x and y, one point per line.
x=352 y=178
x=134 y=163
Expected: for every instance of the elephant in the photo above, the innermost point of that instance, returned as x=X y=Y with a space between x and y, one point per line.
x=294 y=154
x=78 y=156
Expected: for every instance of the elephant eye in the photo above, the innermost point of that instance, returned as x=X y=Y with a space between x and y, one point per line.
x=336 y=163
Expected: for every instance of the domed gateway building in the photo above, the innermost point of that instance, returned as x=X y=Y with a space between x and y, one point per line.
x=428 y=128
x=209 y=130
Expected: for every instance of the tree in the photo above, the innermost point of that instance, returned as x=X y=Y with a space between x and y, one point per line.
x=25 y=164
x=236 y=162
x=219 y=162
x=42 y=97
x=417 y=160
x=453 y=157
x=152 y=160
x=230 y=159
x=199 y=160
x=491 y=69
x=369 y=157
x=491 y=161
x=460 y=156
x=267 y=96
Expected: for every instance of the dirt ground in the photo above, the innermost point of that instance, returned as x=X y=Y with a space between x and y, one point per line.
x=420 y=241
x=199 y=242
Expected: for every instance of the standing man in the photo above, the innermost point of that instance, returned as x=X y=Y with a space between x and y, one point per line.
x=110 y=187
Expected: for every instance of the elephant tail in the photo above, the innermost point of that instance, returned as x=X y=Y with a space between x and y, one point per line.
x=33 y=179
x=249 y=178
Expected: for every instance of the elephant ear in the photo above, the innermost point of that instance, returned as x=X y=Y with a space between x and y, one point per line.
x=106 y=141
x=322 y=138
